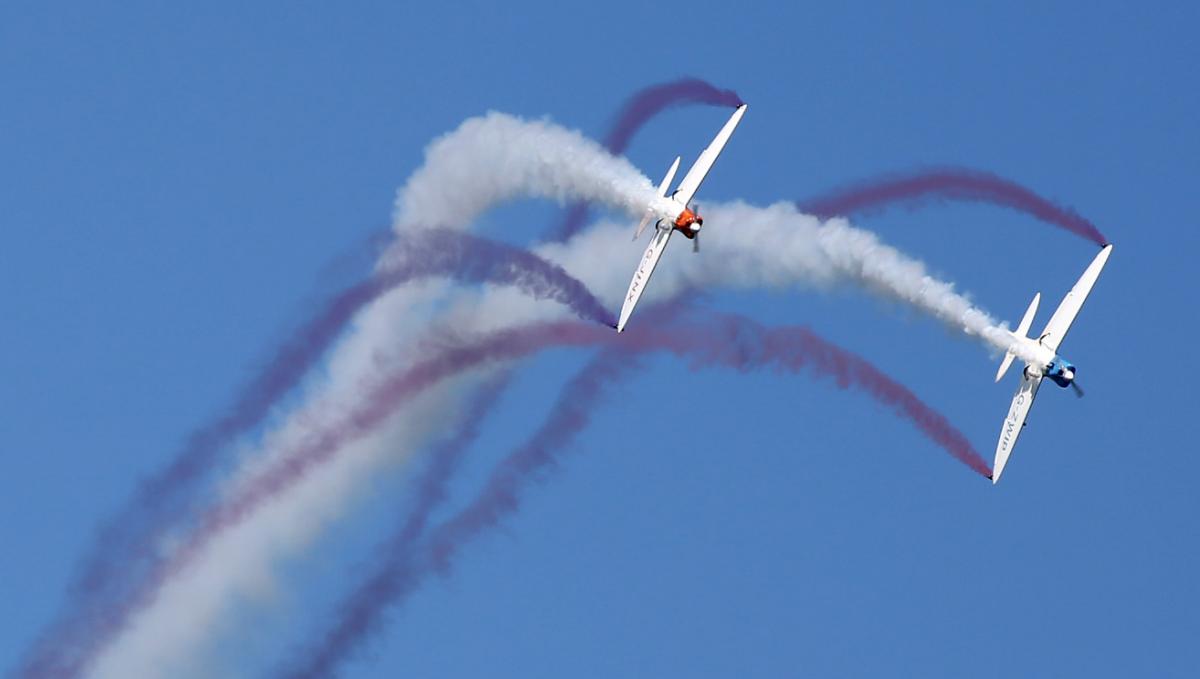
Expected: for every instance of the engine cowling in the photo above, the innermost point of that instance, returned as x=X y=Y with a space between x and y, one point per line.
x=1061 y=372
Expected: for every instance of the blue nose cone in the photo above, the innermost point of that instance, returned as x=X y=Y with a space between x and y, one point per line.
x=1061 y=372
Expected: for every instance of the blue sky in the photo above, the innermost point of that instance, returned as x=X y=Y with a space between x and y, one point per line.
x=177 y=180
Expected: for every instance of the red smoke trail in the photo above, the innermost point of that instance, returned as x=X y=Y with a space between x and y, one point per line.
x=788 y=349
x=649 y=102
x=125 y=551
x=950 y=184
x=639 y=109
x=730 y=341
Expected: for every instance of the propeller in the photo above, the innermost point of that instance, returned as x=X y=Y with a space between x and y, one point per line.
x=696 y=236
x=1078 y=391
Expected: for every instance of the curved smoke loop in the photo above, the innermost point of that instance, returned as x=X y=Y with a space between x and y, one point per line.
x=435 y=194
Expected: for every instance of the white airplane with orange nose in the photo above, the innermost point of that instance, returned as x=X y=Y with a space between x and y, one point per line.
x=674 y=214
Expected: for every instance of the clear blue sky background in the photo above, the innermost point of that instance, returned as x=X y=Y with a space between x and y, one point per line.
x=175 y=180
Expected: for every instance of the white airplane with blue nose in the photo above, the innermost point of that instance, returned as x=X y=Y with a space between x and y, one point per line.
x=1048 y=364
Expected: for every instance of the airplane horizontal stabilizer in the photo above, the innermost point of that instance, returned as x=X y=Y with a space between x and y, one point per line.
x=1021 y=333
x=662 y=191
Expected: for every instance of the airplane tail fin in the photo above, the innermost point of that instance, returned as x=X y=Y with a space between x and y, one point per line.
x=662 y=191
x=1021 y=332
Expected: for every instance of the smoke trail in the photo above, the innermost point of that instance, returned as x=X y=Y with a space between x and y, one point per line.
x=1001 y=337
x=444 y=460
x=362 y=616
x=381 y=400
x=128 y=545
x=488 y=159
x=647 y=103
x=361 y=612
x=638 y=110
x=472 y=259
x=498 y=157
x=729 y=340
x=790 y=349
x=438 y=163
x=954 y=184
x=851 y=253
x=778 y=246
x=803 y=250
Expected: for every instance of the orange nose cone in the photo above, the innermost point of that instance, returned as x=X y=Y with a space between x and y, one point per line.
x=685 y=218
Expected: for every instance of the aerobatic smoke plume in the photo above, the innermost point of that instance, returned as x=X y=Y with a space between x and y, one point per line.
x=488 y=159
x=802 y=250
x=950 y=184
x=485 y=161
x=129 y=545
x=507 y=157
x=647 y=103
x=845 y=255
x=360 y=614
x=378 y=403
x=497 y=157
x=729 y=341
x=788 y=348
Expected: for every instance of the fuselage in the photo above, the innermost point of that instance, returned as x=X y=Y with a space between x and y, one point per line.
x=1060 y=371
x=1051 y=366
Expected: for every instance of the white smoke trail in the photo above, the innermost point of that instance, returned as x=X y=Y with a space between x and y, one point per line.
x=497 y=157
x=778 y=246
x=486 y=161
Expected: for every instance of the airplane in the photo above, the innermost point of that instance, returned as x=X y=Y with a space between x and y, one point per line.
x=674 y=214
x=1049 y=363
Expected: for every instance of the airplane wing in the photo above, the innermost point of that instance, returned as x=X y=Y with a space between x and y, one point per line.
x=691 y=182
x=1014 y=422
x=1060 y=322
x=642 y=276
